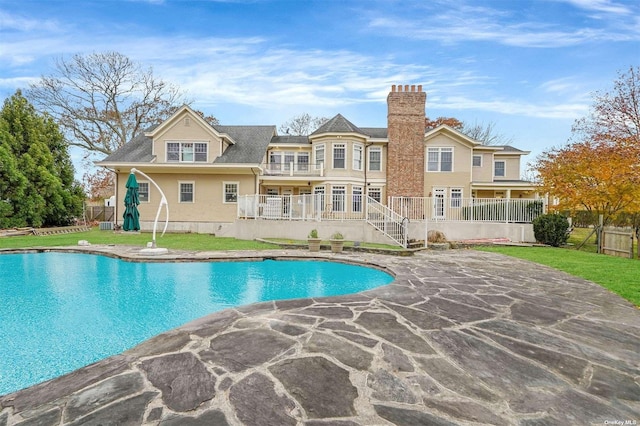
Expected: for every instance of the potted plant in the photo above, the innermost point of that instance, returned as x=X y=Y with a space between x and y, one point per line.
x=337 y=242
x=313 y=240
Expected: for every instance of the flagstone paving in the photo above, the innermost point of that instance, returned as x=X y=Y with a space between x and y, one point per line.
x=460 y=337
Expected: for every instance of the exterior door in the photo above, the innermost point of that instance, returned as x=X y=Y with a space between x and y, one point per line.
x=286 y=201
x=438 y=203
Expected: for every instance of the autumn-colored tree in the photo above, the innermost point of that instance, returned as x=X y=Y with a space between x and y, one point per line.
x=99 y=184
x=597 y=177
x=449 y=121
x=599 y=170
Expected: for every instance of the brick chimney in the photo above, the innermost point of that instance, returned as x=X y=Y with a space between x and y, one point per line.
x=405 y=150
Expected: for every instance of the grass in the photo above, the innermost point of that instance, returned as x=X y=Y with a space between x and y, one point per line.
x=172 y=241
x=578 y=237
x=620 y=275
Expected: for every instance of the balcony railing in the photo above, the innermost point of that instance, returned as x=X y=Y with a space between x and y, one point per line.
x=292 y=169
x=301 y=207
x=508 y=210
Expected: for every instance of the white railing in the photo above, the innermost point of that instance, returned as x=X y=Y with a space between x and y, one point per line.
x=301 y=207
x=507 y=210
x=387 y=221
x=292 y=169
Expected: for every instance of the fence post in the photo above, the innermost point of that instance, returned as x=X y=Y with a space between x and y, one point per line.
x=599 y=234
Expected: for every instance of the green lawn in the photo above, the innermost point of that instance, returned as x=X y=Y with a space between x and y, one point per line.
x=621 y=276
x=172 y=241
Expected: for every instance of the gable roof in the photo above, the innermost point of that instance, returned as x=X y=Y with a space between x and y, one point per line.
x=204 y=124
x=250 y=143
x=443 y=128
x=338 y=124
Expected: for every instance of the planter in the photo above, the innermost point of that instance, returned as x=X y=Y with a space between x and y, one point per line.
x=336 y=245
x=314 y=244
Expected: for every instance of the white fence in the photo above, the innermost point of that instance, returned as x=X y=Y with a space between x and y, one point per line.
x=505 y=210
x=301 y=207
x=318 y=207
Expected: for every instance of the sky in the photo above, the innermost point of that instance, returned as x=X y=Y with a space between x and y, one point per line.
x=529 y=67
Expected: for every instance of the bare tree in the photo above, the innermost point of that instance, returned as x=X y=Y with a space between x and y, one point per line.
x=302 y=125
x=486 y=134
x=102 y=100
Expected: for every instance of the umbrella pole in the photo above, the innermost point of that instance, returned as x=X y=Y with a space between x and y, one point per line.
x=163 y=201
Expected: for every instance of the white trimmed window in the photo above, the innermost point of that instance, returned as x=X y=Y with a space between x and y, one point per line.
x=357 y=157
x=230 y=192
x=303 y=161
x=143 y=191
x=339 y=155
x=318 y=153
x=499 y=168
x=289 y=159
x=477 y=161
x=375 y=159
x=187 y=192
x=440 y=159
x=375 y=193
x=456 y=197
x=187 y=152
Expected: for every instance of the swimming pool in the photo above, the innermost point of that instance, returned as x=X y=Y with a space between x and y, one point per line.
x=62 y=311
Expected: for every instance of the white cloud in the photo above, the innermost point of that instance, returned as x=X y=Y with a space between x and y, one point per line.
x=457 y=23
x=606 y=6
x=15 y=22
x=511 y=107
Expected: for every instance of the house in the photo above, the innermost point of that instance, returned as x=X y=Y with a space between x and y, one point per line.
x=213 y=175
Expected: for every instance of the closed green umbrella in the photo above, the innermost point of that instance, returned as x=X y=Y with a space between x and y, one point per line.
x=131 y=201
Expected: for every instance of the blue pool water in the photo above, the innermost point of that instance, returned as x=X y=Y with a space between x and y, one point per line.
x=62 y=311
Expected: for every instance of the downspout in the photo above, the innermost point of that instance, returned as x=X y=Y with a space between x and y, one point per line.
x=115 y=208
x=366 y=166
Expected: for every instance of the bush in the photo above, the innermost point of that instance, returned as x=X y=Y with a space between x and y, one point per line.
x=551 y=229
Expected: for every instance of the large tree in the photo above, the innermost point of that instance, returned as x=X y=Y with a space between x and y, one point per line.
x=302 y=125
x=102 y=100
x=614 y=117
x=37 y=184
x=599 y=170
x=486 y=133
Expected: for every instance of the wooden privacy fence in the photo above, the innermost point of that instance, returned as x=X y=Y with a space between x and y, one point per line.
x=617 y=242
x=100 y=213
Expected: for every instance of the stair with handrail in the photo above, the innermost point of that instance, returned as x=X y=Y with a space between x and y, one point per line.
x=387 y=221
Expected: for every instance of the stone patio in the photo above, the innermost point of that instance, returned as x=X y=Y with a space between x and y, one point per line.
x=460 y=337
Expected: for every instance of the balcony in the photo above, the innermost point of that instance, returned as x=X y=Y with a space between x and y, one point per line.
x=292 y=169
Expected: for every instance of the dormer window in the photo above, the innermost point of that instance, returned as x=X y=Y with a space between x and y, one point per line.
x=186 y=152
